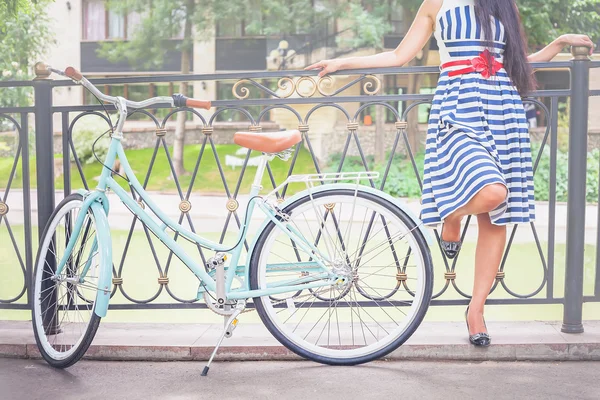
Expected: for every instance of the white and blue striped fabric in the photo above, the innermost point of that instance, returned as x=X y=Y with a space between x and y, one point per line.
x=477 y=133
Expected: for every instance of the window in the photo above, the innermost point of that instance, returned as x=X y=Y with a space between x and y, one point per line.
x=116 y=25
x=396 y=17
x=134 y=19
x=94 y=20
x=247 y=27
x=100 y=23
x=251 y=25
x=235 y=29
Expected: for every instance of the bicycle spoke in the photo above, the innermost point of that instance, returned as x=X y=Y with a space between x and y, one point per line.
x=63 y=303
x=372 y=246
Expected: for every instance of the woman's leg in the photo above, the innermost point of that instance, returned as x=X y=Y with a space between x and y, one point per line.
x=486 y=200
x=490 y=247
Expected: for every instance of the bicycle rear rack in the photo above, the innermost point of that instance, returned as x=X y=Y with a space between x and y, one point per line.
x=311 y=179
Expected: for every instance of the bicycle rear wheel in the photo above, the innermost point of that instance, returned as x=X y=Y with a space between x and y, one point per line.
x=368 y=239
x=64 y=321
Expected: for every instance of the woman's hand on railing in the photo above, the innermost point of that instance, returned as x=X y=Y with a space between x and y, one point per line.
x=575 y=40
x=550 y=51
x=326 y=66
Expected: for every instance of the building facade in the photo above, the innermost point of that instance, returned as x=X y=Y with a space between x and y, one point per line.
x=81 y=26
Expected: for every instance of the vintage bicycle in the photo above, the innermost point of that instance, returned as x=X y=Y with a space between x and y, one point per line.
x=340 y=273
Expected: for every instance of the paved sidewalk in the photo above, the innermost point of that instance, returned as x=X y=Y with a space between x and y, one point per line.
x=512 y=341
x=89 y=380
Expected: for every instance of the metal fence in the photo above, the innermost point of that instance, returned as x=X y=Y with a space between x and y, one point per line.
x=302 y=104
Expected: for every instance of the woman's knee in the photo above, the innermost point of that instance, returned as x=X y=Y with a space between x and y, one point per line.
x=492 y=196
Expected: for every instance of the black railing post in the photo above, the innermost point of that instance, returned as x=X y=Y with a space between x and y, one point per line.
x=576 y=202
x=44 y=161
x=24 y=140
x=44 y=147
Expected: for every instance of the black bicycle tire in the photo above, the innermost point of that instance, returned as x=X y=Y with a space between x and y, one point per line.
x=95 y=319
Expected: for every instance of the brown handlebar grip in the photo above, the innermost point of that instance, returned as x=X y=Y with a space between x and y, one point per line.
x=193 y=103
x=73 y=74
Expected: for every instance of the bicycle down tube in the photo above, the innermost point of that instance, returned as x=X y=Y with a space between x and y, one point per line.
x=107 y=182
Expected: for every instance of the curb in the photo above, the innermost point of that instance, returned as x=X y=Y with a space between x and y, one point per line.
x=442 y=352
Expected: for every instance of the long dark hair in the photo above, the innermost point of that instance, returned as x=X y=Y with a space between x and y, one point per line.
x=515 y=52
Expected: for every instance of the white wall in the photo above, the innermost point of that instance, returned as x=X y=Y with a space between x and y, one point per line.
x=205 y=63
x=67 y=26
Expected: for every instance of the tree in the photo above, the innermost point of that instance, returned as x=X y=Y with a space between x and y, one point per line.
x=25 y=37
x=414 y=80
x=191 y=20
x=371 y=24
x=12 y=7
x=545 y=20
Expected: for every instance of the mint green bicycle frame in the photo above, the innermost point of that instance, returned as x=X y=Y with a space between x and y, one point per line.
x=97 y=201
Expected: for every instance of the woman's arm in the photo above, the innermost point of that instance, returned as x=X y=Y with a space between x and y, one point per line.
x=416 y=37
x=550 y=51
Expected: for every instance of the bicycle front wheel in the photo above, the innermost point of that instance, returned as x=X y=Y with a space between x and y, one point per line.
x=64 y=321
x=365 y=238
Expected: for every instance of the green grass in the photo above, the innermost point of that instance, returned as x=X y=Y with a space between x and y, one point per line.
x=524 y=274
x=208 y=179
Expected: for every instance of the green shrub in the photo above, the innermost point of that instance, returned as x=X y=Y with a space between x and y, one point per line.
x=85 y=133
x=542 y=175
x=593 y=176
x=401 y=180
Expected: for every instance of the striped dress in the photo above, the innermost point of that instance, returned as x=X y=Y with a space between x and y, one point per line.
x=477 y=133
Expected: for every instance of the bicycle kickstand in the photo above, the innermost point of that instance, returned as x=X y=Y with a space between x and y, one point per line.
x=227 y=331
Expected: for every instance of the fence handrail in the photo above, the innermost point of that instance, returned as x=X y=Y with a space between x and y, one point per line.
x=286 y=73
x=579 y=91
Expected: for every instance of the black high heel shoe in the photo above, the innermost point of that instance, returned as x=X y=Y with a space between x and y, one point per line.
x=450 y=249
x=479 y=339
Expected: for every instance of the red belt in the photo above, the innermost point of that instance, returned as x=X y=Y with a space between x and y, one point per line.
x=485 y=64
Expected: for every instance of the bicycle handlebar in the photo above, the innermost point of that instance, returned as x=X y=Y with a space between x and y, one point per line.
x=177 y=100
x=73 y=74
x=180 y=100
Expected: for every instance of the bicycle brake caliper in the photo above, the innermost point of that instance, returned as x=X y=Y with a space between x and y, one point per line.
x=280 y=215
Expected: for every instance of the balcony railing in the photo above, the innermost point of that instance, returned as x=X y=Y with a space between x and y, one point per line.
x=301 y=97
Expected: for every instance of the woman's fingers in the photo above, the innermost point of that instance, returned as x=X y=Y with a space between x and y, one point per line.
x=580 y=40
x=591 y=44
x=585 y=40
x=318 y=65
x=325 y=67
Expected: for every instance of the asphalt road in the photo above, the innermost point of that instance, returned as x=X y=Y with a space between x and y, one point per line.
x=33 y=379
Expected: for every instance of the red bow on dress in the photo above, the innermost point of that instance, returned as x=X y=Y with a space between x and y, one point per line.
x=486 y=64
